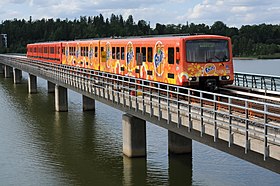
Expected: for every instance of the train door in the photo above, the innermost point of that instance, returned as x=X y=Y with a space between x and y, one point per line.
x=78 y=57
x=90 y=55
x=68 y=54
x=172 y=64
x=139 y=60
x=63 y=53
x=120 y=59
x=104 y=51
x=96 y=56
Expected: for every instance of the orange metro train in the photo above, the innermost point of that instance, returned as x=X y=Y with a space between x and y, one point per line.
x=203 y=61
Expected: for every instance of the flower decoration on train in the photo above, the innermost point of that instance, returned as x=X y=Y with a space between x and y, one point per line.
x=108 y=54
x=129 y=55
x=159 y=58
x=90 y=54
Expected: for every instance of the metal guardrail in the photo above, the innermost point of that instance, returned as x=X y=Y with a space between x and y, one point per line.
x=265 y=82
x=246 y=123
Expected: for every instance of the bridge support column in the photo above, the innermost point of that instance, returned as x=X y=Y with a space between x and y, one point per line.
x=51 y=87
x=134 y=136
x=17 y=76
x=7 y=71
x=88 y=104
x=61 y=99
x=32 y=84
x=178 y=144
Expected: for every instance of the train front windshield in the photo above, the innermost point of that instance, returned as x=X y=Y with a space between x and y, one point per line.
x=207 y=50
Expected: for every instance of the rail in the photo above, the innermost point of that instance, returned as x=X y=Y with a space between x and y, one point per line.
x=238 y=121
x=259 y=81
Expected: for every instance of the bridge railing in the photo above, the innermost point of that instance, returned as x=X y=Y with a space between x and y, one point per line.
x=238 y=121
x=260 y=81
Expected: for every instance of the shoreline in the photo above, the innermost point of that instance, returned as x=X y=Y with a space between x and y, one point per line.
x=245 y=58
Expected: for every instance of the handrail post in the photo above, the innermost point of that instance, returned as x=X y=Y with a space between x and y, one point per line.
x=189 y=110
x=246 y=127
x=230 y=122
x=266 y=150
x=215 y=118
x=201 y=114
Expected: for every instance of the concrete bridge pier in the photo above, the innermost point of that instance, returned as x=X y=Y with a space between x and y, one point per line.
x=51 y=87
x=88 y=104
x=134 y=136
x=7 y=71
x=178 y=144
x=61 y=99
x=32 y=84
x=17 y=76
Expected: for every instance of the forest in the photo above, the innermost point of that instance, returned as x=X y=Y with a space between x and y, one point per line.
x=257 y=41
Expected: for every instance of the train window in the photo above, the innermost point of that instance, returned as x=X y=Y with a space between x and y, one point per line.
x=103 y=54
x=86 y=51
x=83 y=51
x=207 y=50
x=35 y=49
x=177 y=55
x=113 y=52
x=150 y=54
x=122 y=53
x=52 y=50
x=118 y=53
x=139 y=56
x=170 y=55
x=30 y=50
x=45 y=50
x=137 y=50
x=58 y=50
x=63 y=50
x=144 y=52
x=96 y=52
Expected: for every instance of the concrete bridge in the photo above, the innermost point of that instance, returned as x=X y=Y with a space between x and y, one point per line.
x=224 y=122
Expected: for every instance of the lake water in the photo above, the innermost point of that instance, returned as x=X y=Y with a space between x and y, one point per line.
x=39 y=146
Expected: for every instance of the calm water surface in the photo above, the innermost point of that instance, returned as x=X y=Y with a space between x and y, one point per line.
x=39 y=146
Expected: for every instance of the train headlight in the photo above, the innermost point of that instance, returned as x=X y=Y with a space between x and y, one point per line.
x=225 y=77
x=192 y=78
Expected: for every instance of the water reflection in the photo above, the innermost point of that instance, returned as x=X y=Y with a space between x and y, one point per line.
x=134 y=171
x=180 y=169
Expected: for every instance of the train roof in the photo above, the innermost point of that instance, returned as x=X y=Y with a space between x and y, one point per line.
x=146 y=37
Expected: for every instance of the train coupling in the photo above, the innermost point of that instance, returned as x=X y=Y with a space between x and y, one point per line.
x=211 y=85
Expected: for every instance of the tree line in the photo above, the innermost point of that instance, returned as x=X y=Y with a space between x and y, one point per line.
x=249 y=40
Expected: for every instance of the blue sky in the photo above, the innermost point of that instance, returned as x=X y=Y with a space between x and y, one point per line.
x=232 y=12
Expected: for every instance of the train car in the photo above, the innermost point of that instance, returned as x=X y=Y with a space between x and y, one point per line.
x=83 y=53
x=32 y=50
x=202 y=61
x=50 y=52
